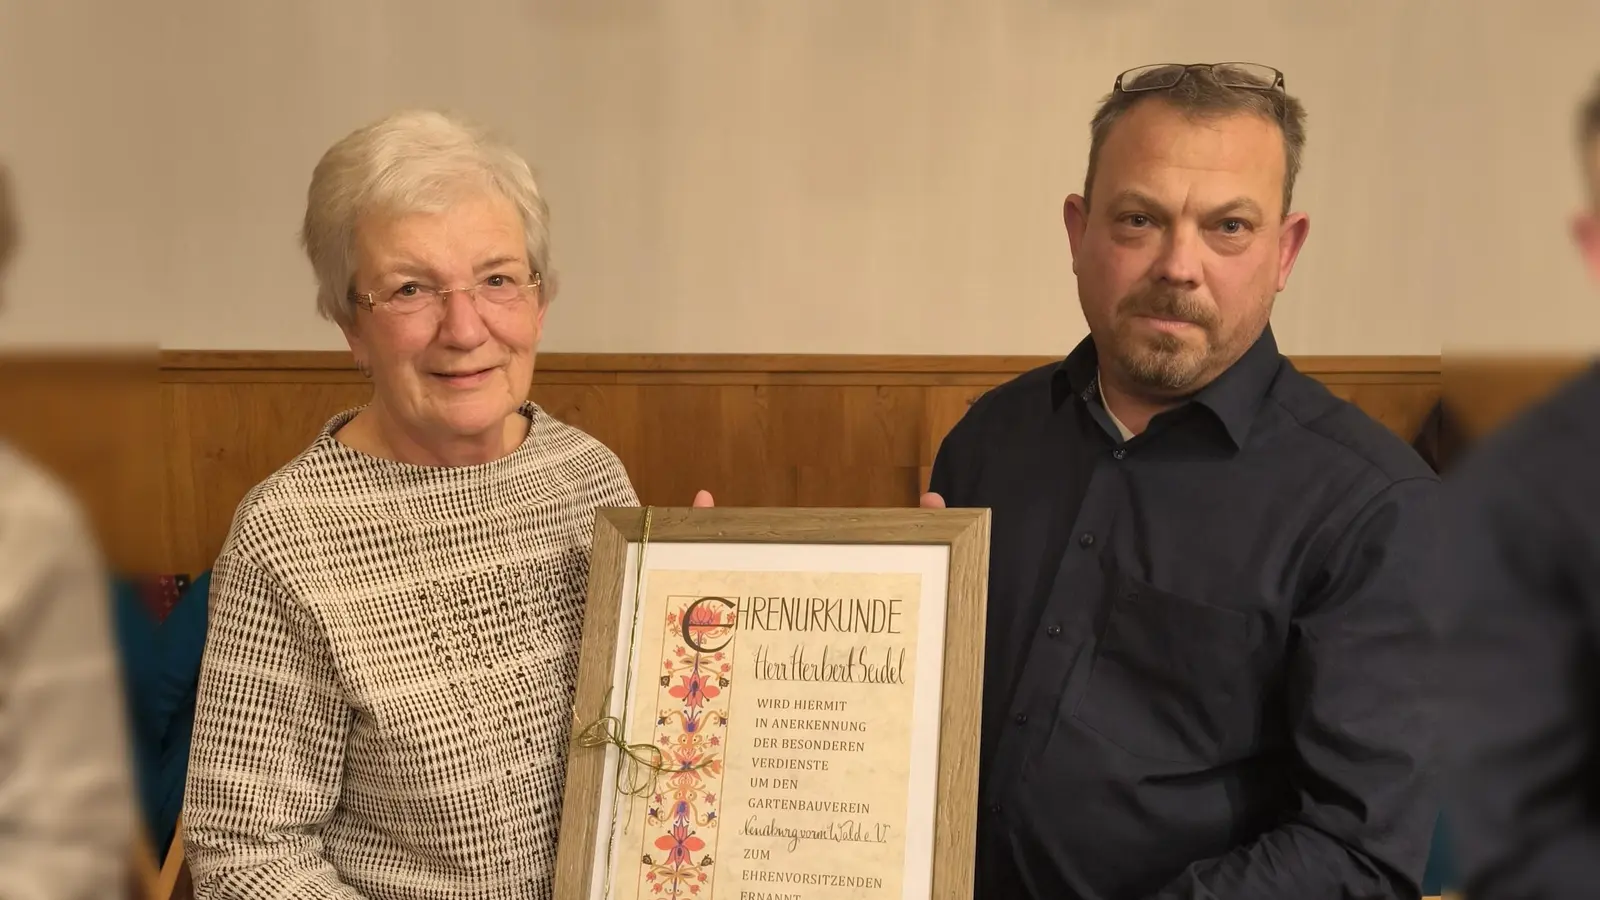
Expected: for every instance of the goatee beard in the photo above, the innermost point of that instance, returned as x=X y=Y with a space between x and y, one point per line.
x=1164 y=362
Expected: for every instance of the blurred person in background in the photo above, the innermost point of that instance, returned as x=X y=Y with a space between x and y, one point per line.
x=1523 y=573
x=67 y=815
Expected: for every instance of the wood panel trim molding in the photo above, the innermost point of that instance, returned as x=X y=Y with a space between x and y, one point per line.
x=187 y=365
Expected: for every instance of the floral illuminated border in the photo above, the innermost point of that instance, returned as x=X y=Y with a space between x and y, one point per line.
x=693 y=705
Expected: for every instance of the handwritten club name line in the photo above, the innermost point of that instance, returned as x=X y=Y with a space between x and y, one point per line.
x=847 y=832
x=834 y=806
x=817 y=878
x=849 y=615
x=853 y=669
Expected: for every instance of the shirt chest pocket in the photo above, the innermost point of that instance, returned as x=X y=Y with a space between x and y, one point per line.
x=1169 y=677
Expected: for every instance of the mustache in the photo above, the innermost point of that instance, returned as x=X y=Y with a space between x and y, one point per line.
x=1165 y=303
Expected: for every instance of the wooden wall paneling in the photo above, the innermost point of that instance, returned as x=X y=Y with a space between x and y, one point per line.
x=1486 y=392
x=185 y=500
x=755 y=430
x=741 y=466
x=882 y=425
x=848 y=445
x=239 y=433
x=609 y=412
x=1399 y=406
x=95 y=423
x=686 y=437
x=942 y=407
x=872 y=486
x=1396 y=391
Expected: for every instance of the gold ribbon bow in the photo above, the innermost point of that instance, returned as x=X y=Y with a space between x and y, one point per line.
x=635 y=759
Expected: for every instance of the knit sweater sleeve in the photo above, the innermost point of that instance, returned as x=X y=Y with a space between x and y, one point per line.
x=611 y=486
x=268 y=748
x=67 y=814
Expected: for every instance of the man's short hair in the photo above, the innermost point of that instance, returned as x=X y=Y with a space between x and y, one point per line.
x=1589 y=140
x=1198 y=93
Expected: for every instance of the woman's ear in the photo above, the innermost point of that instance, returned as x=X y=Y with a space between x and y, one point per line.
x=358 y=347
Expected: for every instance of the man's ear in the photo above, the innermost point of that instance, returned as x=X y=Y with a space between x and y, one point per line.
x=1291 y=238
x=1075 y=213
x=1586 y=234
x=8 y=220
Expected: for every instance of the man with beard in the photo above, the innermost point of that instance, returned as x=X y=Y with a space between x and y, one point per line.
x=1208 y=633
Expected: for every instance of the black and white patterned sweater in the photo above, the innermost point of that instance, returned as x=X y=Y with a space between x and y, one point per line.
x=386 y=695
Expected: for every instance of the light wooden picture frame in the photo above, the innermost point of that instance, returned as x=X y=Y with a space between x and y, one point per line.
x=827 y=698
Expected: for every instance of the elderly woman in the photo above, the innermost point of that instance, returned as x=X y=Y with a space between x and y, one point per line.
x=385 y=701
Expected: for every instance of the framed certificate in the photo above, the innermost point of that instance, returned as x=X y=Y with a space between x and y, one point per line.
x=777 y=703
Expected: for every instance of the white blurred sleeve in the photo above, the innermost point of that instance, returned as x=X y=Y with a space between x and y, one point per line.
x=67 y=803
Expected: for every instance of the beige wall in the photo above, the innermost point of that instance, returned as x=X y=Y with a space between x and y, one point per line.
x=1508 y=258
x=845 y=176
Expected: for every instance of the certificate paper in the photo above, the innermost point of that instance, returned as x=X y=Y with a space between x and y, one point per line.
x=785 y=700
x=777 y=705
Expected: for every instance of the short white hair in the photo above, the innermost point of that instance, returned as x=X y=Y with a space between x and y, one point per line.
x=410 y=161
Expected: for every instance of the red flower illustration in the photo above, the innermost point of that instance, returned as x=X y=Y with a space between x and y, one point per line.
x=679 y=844
x=695 y=690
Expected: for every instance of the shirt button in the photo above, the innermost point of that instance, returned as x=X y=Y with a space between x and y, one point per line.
x=994 y=808
x=1053 y=631
x=1086 y=539
x=1022 y=718
x=1119 y=453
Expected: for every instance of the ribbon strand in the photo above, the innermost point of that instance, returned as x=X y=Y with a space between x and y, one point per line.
x=639 y=766
x=609 y=731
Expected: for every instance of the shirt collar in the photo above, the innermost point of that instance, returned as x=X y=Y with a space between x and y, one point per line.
x=1233 y=397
